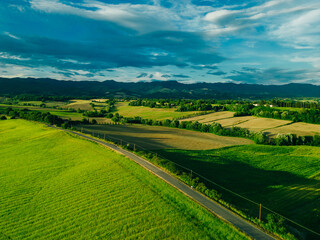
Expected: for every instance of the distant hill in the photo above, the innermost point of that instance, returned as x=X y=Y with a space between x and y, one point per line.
x=157 y=89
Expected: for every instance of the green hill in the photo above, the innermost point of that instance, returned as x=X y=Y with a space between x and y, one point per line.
x=57 y=186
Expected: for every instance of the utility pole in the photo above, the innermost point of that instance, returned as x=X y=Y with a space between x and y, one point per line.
x=81 y=129
x=260 y=213
x=191 y=178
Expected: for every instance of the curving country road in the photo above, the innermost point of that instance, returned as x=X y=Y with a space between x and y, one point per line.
x=243 y=225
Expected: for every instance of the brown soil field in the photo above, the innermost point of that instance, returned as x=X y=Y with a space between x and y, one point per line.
x=299 y=128
x=259 y=124
x=229 y=122
x=155 y=137
x=211 y=117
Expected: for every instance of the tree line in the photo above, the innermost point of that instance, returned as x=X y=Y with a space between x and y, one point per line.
x=295 y=104
x=218 y=129
x=303 y=115
x=182 y=105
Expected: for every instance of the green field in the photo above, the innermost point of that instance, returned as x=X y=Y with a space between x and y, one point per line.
x=150 y=113
x=284 y=179
x=57 y=186
x=48 y=104
x=60 y=113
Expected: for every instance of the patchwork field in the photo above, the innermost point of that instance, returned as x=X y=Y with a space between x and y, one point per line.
x=80 y=104
x=259 y=124
x=299 y=128
x=234 y=121
x=150 y=113
x=285 y=179
x=211 y=117
x=155 y=137
x=57 y=186
x=268 y=125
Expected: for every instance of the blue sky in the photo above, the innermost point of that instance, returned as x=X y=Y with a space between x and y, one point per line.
x=257 y=41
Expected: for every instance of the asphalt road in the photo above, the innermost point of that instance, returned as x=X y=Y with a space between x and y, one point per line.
x=218 y=210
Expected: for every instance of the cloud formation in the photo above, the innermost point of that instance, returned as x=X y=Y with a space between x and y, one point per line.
x=162 y=39
x=270 y=76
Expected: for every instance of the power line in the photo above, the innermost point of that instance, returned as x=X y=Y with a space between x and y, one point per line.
x=222 y=187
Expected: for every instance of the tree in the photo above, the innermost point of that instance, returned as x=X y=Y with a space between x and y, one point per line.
x=93 y=121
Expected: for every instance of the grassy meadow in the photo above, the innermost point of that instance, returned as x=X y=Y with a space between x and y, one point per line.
x=57 y=186
x=284 y=179
x=64 y=114
x=150 y=113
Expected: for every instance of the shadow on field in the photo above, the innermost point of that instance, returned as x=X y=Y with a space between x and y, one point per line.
x=156 y=137
x=291 y=195
x=122 y=131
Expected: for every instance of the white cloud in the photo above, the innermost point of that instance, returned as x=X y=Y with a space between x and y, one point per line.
x=5 y=55
x=300 y=32
x=143 y=18
x=12 y=36
x=289 y=22
x=315 y=61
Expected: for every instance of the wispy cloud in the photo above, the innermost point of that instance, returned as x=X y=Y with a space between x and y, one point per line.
x=140 y=17
x=271 y=76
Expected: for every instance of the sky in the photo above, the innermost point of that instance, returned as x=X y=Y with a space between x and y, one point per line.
x=252 y=41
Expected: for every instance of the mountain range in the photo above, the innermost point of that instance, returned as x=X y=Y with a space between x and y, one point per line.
x=155 y=89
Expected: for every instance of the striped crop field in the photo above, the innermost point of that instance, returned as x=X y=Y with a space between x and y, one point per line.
x=256 y=124
x=260 y=124
x=234 y=121
x=211 y=117
x=299 y=128
x=55 y=185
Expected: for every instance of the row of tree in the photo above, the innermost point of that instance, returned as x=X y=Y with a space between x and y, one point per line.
x=182 y=105
x=45 y=117
x=294 y=104
x=303 y=115
x=216 y=128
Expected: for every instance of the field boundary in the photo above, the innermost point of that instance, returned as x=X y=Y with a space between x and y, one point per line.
x=231 y=208
x=214 y=207
x=277 y=126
